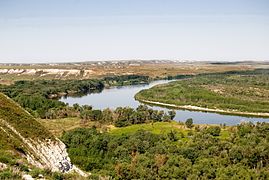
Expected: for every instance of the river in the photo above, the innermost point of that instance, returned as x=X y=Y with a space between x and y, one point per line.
x=124 y=96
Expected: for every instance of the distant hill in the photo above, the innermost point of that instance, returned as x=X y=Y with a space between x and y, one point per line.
x=22 y=136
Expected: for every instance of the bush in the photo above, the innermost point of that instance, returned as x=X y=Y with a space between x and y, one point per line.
x=189 y=123
x=9 y=174
x=58 y=176
x=214 y=130
x=35 y=172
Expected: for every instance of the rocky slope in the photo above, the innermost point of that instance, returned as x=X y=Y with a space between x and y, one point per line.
x=27 y=136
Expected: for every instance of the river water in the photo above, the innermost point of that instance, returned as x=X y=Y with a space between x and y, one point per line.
x=124 y=96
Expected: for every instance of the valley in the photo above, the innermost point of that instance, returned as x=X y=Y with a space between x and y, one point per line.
x=98 y=129
x=134 y=90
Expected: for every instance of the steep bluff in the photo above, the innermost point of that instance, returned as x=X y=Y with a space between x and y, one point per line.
x=31 y=139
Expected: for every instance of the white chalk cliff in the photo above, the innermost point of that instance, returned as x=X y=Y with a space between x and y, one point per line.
x=42 y=152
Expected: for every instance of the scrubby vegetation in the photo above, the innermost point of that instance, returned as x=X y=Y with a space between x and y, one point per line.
x=199 y=154
x=246 y=91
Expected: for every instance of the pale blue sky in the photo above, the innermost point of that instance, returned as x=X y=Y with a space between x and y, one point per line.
x=82 y=30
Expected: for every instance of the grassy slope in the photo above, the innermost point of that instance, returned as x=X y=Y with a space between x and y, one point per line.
x=10 y=144
x=21 y=120
x=12 y=149
x=247 y=92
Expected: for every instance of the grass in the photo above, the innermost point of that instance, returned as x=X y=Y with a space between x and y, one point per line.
x=156 y=128
x=224 y=134
x=58 y=126
x=13 y=149
x=21 y=120
x=165 y=128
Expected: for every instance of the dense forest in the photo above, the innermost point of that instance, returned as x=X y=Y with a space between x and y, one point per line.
x=201 y=154
x=246 y=91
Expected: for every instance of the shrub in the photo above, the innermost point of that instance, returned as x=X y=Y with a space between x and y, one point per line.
x=189 y=123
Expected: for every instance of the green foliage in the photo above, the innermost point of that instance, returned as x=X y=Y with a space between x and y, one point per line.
x=39 y=97
x=35 y=172
x=36 y=96
x=145 y=155
x=155 y=128
x=172 y=114
x=58 y=176
x=12 y=148
x=244 y=91
x=189 y=123
x=125 y=116
x=172 y=135
x=9 y=174
x=23 y=122
x=125 y=80
x=213 y=130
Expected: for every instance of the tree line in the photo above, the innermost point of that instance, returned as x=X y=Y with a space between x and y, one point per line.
x=41 y=96
x=120 y=117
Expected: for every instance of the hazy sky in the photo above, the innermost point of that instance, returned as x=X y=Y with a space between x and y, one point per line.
x=81 y=30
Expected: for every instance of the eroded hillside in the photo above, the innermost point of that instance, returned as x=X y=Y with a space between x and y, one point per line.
x=22 y=136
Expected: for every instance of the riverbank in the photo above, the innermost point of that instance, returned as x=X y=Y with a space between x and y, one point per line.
x=196 y=108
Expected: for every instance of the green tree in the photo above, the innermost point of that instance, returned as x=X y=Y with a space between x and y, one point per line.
x=172 y=114
x=214 y=130
x=166 y=118
x=189 y=123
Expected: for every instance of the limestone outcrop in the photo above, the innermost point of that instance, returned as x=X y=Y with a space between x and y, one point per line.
x=38 y=145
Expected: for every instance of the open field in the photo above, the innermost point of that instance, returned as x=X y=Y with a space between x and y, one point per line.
x=58 y=126
x=154 y=69
x=165 y=128
x=156 y=128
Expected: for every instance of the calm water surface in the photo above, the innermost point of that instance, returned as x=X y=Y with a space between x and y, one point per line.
x=124 y=96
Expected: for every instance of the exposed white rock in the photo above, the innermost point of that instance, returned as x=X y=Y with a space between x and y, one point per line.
x=3 y=71
x=43 y=72
x=3 y=166
x=47 y=153
x=87 y=72
x=15 y=71
x=30 y=71
x=27 y=177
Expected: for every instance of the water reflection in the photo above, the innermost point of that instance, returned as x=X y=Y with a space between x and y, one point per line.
x=124 y=96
